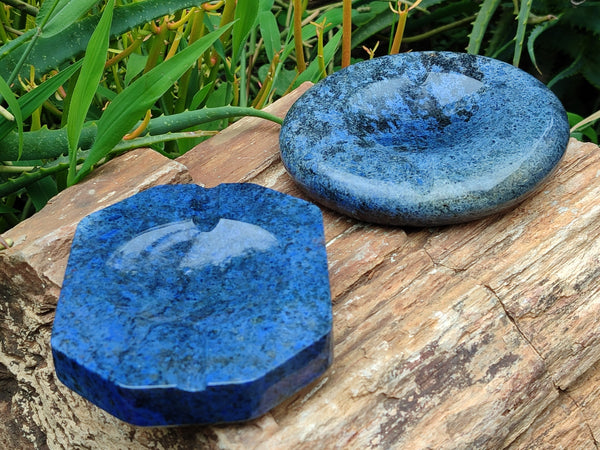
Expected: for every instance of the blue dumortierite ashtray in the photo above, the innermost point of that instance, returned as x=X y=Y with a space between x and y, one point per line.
x=423 y=139
x=185 y=305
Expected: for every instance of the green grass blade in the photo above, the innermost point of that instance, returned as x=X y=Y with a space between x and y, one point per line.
x=46 y=11
x=15 y=109
x=201 y=95
x=313 y=72
x=270 y=33
x=521 y=28
x=64 y=13
x=569 y=71
x=245 y=18
x=378 y=21
x=41 y=191
x=7 y=210
x=32 y=100
x=265 y=5
x=535 y=33
x=11 y=46
x=87 y=83
x=488 y=7
x=127 y=107
x=51 y=52
x=587 y=121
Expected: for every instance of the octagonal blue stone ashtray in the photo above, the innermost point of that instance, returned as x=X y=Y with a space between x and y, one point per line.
x=424 y=139
x=185 y=305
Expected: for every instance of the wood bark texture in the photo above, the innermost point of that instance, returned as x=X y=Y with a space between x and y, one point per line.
x=481 y=335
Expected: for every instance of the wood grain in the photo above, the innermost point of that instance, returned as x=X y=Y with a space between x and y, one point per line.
x=481 y=335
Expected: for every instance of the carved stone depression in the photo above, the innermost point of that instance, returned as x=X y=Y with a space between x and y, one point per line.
x=185 y=305
x=423 y=139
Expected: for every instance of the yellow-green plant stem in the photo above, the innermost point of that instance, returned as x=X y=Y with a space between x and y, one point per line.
x=402 y=15
x=16 y=169
x=157 y=47
x=36 y=120
x=298 y=45
x=115 y=71
x=320 y=28
x=125 y=53
x=589 y=119
x=227 y=17
x=195 y=30
x=49 y=107
x=263 y=93
x=22 y=6
x=347 y=32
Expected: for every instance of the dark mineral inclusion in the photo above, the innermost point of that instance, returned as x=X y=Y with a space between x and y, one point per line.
x=185 y=305
x=423 y=139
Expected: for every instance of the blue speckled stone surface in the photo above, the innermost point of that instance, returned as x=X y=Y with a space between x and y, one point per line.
x=422 y=139
x=185 y=305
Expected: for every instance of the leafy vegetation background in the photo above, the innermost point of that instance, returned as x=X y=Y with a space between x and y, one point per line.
x=84 y=80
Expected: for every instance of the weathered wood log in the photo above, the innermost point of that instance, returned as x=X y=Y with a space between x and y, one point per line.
x=481 y=335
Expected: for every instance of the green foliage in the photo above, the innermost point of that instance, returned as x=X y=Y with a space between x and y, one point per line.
x=484 y=16
x=583 y=127
x=70 y=39
x=78 y=76
x=87 y=82
x=15 y=109
x=522 y=19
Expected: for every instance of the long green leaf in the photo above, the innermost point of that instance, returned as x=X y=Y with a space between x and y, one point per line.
x=127 y=107
x=15 y=109
x=87 y=83
x=245 y=17
x=11 y=46
x=539 y=29
x=6 y=209
x=63 y=15
x=270 y=33
x=46 y=11
x=41 y=191
x=521 y=27
x=51 y=52
x=588 y=120
x=32 y=100
x=265 y=5
x=488 y=7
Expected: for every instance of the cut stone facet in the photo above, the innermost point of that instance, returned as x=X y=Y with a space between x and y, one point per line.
x=185 y=305
x=423 y=139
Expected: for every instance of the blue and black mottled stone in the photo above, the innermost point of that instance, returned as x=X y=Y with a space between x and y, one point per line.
x=185 y=305
x=424 y=139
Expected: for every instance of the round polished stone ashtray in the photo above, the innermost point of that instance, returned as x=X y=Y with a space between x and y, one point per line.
x=185 y=305
x=424 y=139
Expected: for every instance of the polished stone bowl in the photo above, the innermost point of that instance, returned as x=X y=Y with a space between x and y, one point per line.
x=185 y=305
x=424 y=138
